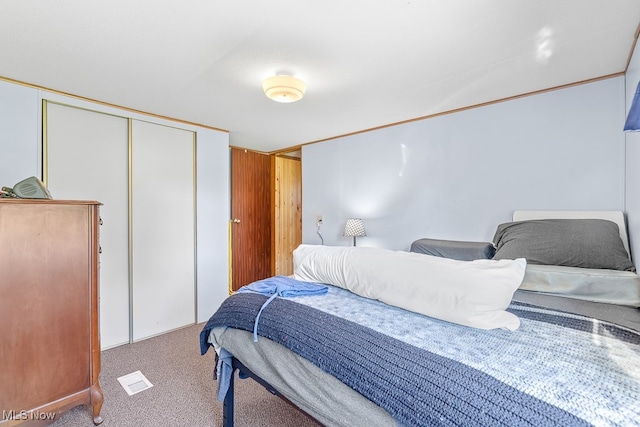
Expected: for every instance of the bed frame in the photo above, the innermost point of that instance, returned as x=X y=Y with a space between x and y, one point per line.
x=228 y=403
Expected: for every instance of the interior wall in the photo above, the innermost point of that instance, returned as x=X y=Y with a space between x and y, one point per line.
x=213 y=200
x=458 y=176
x=21 y=154
x=20 y=118
x=632 y=78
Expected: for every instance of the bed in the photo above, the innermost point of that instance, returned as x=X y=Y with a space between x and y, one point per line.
x=552 y=354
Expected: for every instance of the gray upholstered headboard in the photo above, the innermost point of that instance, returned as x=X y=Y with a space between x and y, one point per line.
x=614 y=216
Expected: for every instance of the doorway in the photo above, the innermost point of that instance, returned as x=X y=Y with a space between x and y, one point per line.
x=251 y=217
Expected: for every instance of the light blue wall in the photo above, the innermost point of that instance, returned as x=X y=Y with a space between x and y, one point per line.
x=20 y=130
x=633 y=159
x=213 y=205
x=458 y=176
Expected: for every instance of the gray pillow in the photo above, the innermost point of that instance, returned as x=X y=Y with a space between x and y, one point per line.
x=587 y=243
x=454 y=249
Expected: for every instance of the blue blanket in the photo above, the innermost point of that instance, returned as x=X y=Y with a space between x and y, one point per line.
x=416 y=386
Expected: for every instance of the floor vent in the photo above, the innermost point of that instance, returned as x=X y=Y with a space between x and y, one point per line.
x=134 y=383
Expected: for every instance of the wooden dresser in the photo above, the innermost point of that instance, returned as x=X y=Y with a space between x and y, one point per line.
x=49 y=337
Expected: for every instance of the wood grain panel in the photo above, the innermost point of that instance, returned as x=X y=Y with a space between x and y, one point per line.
x=251 y=206
x=287 y=217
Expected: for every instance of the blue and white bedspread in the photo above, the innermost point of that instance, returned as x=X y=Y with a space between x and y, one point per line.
x=557 y=369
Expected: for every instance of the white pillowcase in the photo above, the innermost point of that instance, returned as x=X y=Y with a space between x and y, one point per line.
x=471 y=293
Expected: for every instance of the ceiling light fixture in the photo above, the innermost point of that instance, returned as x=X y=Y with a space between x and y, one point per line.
x=284 y=88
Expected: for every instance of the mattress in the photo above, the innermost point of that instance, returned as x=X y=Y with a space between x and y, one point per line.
x=304 y=384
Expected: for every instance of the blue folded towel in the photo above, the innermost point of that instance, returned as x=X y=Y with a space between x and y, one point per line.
x=282 y=286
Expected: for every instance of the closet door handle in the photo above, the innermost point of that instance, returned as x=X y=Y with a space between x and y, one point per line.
x=235 y=220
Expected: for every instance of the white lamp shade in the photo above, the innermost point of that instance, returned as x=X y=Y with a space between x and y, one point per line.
x=354 y=227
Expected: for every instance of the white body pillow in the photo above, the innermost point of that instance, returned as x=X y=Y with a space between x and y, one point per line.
x=471 y=293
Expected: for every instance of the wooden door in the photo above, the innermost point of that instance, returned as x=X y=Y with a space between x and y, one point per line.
x=250 y=217
x=287 y=218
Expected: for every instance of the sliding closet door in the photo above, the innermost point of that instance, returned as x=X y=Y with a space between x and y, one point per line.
x=86 y=158
x=163 y=228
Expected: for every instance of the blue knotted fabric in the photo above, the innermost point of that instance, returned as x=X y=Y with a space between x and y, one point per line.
x=280 y=286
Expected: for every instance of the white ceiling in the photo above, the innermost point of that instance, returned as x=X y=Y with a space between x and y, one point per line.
x=367 y=63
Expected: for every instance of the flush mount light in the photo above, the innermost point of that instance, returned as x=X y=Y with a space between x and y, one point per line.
x=284 y=88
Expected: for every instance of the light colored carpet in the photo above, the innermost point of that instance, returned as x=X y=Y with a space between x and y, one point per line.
x=183 y=392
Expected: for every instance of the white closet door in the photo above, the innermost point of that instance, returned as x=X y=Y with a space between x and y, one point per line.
x=163 y=228
x=87 y=159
